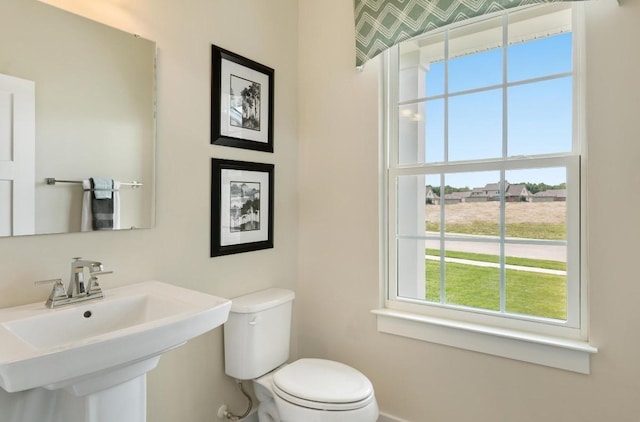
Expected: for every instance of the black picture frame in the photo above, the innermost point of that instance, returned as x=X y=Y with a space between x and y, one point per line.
x=237 y=119
x=241 y=206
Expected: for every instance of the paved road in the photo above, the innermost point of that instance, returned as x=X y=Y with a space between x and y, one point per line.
x=551 y=252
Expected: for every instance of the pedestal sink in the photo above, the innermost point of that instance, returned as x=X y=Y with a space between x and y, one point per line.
x=87 y=362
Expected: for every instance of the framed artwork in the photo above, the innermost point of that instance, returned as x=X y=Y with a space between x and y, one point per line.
x=241 y=102
x=241 y=206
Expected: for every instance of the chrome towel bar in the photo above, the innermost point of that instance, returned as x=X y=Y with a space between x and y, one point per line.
x=53 y=181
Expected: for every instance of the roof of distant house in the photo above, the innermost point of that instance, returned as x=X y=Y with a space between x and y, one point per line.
x=458 y=195
x=515 y=189
x=552 y=193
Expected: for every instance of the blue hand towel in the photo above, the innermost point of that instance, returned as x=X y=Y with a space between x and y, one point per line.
x=102 y=205
x=102 y=188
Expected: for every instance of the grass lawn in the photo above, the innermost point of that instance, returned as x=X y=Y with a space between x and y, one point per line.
x=545 y=231
x=527 y=293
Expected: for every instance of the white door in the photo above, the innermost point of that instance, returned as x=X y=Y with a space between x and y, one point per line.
x=17 y=156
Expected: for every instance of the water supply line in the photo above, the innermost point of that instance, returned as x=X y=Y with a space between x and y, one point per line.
x=224 y=413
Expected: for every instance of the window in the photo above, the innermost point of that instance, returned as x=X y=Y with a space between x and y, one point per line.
x=483 y=157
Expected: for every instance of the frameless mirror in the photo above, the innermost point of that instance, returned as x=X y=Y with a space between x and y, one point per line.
x=77 y=101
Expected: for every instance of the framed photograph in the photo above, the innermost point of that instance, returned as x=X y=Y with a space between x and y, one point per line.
x=241 y=102
x=241 y=206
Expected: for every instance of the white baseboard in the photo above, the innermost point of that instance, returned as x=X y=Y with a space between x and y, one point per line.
x=388 y=418
x=253 y=417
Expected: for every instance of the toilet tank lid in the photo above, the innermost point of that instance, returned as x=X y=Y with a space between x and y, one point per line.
x=261 y=300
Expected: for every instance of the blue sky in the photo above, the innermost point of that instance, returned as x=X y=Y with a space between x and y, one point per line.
x=539 y=114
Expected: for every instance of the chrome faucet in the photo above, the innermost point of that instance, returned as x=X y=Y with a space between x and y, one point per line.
x=77 y=290
x=76 y=283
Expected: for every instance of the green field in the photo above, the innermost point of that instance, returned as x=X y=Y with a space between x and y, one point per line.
x=546 y=231
x=528 y=293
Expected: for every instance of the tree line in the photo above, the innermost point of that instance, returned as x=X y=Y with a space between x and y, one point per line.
x=531 y=187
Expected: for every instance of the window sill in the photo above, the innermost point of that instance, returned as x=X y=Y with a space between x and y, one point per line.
x=570 y=355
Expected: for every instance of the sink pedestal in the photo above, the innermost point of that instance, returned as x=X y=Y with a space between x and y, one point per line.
x=119 y=395
x=126 y=402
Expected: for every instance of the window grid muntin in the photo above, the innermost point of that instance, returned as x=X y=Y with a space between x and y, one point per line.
x=568 y=161
x=426 y=168
x=487 y=88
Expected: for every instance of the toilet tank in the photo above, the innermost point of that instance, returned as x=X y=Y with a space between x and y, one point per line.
x=257 y=333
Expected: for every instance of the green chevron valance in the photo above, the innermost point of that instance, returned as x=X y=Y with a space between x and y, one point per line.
x=381 y=24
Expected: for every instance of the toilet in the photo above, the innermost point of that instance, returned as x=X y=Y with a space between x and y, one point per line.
x=256 y=346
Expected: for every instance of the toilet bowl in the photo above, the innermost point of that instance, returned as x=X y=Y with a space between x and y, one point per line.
x=316 y=390
x=257 y=336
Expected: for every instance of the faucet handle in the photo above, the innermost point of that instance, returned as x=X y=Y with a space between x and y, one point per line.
x=93 y=287
x=58 y=292
x=51 y=281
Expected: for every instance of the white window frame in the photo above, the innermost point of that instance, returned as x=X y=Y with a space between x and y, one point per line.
x=557 y=344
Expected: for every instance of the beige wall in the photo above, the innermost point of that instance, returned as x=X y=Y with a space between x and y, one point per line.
x=326 y=228
x=338 y=262
x=189 y=385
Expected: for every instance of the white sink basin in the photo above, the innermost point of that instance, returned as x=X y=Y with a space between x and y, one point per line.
x=113 y=339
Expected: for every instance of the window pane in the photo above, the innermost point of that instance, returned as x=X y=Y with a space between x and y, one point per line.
x=536 y=204
x=411 y=269
x=532 y=53
x=477 y=70
x=433 y=254
x=418 y=274
x=411 y=133
x=421 y=132
x=536 y=294
x=536 y=278
x=475 y=126
x=411 y=191
x=432 y=201
x=472 y=213
x=471 y=206
x=435 y=79
x=540 y=117
x=432 y=53
x=412 y=81
x=421 y=68
x=541 y=57
x=475 y=56
x=471 y=277
x=434 y=139
x=432 y=274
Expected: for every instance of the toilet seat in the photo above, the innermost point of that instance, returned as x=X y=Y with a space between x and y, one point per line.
x=323 y=385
